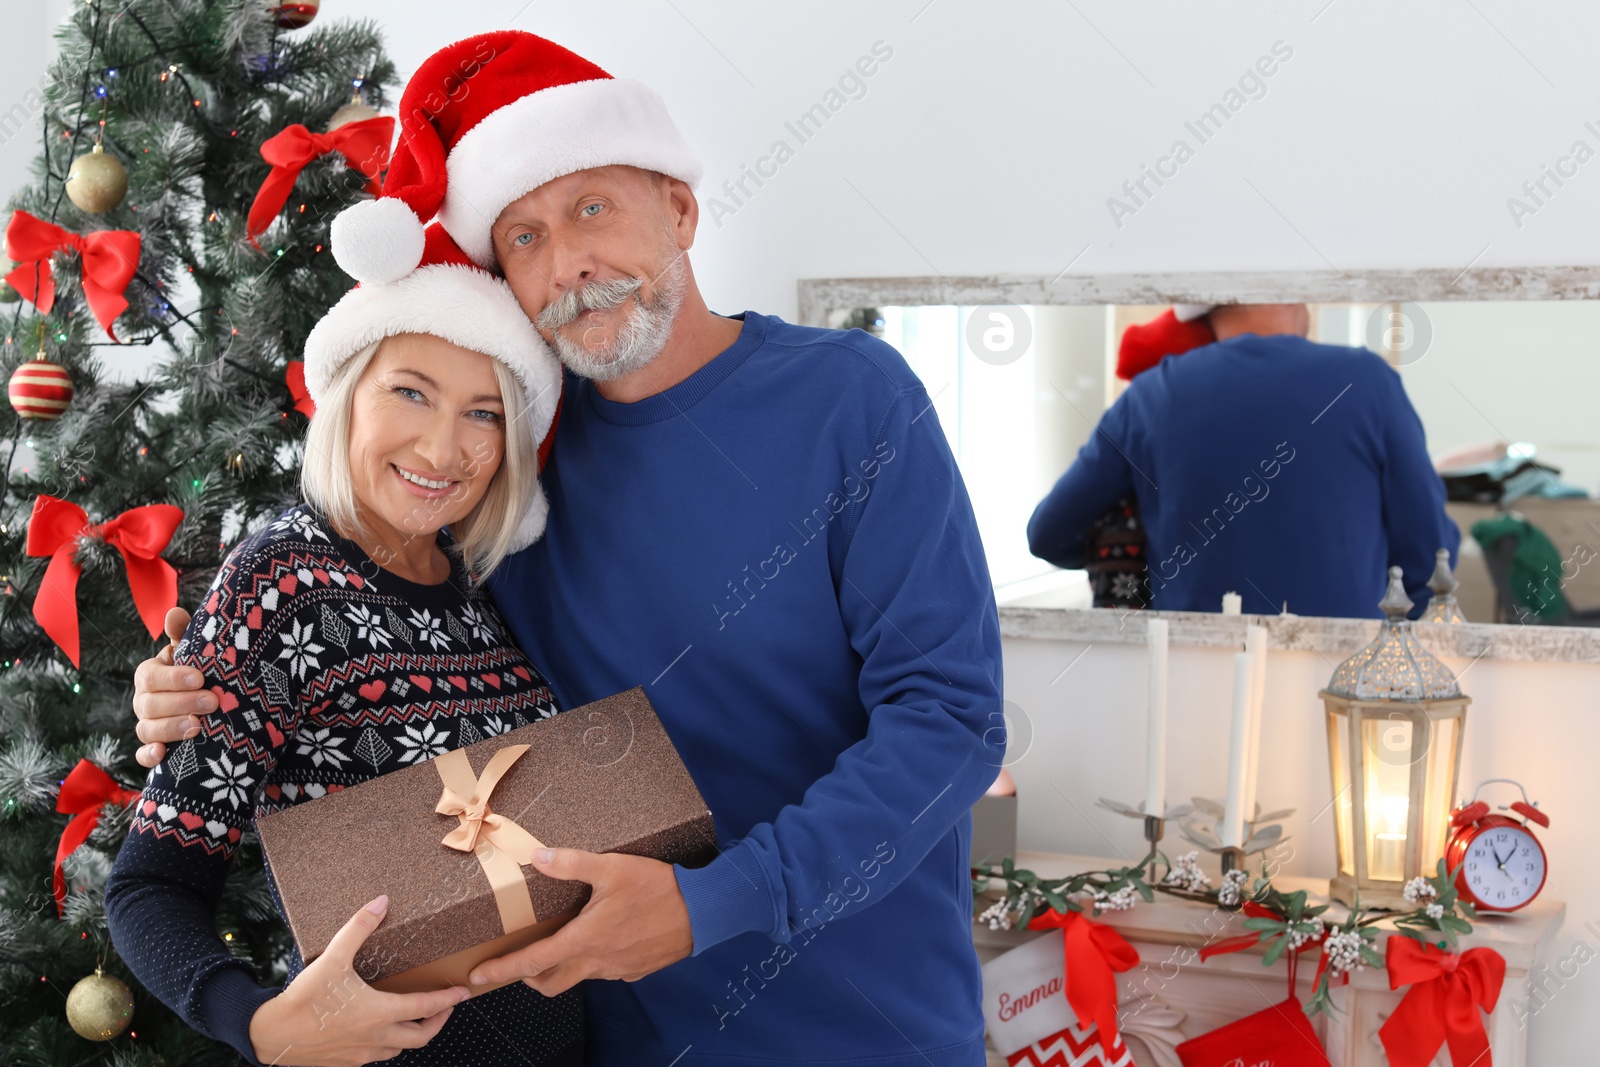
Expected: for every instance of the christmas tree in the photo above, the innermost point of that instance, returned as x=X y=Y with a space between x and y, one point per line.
x=178 y=97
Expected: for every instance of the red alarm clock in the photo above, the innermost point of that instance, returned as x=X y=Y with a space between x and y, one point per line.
x=1499 y=864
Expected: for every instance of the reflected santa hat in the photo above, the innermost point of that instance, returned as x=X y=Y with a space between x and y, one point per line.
x=484 y=122
x=1176 y=330
x=446 y=295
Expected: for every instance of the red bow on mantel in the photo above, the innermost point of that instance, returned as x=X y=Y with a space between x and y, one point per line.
x=140 y=534
x=1442 y=1004
x=109 y=260
x=1253 y=910
x=1094 y=952
x=84 y=792
x=365 y=144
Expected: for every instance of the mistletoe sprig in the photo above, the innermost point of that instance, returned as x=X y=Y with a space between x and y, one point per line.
x=1282 y=922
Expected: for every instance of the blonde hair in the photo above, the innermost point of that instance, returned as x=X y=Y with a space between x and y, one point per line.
x=485 y=535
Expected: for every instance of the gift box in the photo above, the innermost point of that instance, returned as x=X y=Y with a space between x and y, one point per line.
x=450 y=841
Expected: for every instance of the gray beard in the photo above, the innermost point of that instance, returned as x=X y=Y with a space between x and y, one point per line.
x=641 y=336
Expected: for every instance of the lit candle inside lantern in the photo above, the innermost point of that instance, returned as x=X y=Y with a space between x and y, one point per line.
x=1232 y=603
x=1238 y=747
x=1388 y=857
x=1155 y=764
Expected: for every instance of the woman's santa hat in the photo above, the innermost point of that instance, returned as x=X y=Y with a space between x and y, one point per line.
x=484 y=122
x=447 y=296
x=1175 y=330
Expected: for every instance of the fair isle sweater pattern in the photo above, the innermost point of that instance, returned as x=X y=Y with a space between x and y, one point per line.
x=328 y=671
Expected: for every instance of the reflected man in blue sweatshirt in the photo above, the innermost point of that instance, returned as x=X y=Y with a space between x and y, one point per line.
x=1290 y=472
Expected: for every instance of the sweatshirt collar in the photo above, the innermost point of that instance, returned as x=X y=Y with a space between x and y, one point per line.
x=689 y=392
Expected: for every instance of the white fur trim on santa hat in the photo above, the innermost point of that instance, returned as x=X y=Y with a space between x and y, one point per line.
x=378 y=240
x=1190 y=312
x=556 y=131
x=461 y=304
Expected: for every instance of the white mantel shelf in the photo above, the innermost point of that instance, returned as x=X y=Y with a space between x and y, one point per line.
x=1171 y=996
x=1329 y=637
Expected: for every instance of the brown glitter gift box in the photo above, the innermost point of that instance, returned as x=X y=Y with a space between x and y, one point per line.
x=603 y=777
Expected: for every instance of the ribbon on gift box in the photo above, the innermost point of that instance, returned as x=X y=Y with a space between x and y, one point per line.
x=139 y=534
x=1442 y=1004
x=493 y=838
x=1094 y=953
x=84 y=792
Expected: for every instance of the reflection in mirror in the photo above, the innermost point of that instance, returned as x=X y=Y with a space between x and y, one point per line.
x=1511 y=457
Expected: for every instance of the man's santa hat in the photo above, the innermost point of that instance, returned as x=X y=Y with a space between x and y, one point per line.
x=1175 y=330
x=484 y=122
x=448 y=296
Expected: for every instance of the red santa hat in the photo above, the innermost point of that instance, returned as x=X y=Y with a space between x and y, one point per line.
x=447 y=296
x=487 y=120
x=1169 y=333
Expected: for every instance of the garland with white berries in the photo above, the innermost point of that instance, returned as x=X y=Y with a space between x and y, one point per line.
x=1282 y=921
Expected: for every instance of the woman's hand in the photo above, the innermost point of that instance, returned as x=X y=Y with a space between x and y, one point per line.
x=168 y=700
x=329 y=1017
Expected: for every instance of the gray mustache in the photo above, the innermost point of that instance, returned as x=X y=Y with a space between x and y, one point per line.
x=596 y=296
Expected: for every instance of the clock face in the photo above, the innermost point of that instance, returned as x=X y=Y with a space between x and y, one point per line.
x=1503 y=867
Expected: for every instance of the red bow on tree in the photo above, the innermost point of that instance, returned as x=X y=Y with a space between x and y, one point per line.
x=365 y=144
x=140 y=534
x=1442 y=1004
x=84 y=792
x=295 y=378
x=109 y=260
x=1094 y=952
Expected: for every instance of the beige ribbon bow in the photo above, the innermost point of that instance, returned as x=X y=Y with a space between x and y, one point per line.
x=500 y=844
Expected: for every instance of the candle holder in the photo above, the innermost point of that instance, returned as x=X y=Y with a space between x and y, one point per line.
x=1154 y=830
x=1261 y=832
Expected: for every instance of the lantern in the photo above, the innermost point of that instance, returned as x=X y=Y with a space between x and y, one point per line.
x=1443 y=607
x=1395 y=715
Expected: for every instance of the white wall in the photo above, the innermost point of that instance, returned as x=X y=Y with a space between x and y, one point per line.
x=992 y=139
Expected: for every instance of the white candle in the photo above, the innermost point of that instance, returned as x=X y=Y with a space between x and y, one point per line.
x=1255 y=645
x=1232 y=603
x=1233 y=806
x=1155 y=764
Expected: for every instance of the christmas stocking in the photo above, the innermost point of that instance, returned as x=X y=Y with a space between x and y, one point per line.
x=1280 y=1035
x=1030 y=1020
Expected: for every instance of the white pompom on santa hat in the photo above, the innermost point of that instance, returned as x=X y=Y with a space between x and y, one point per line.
x=484 y=122
x=446 y=295
x=1190 y=312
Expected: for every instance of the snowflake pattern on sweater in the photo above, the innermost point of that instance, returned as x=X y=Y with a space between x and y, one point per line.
x=328 y=672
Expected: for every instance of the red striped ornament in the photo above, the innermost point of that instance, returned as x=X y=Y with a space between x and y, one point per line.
x=40 y=389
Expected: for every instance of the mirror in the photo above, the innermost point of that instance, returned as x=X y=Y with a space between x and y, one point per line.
x=1501 y=387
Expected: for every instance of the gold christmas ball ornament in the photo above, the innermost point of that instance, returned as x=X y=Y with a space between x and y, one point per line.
x=295 y=15
x=97 y=182
x=355 y=111
x=99 y=1007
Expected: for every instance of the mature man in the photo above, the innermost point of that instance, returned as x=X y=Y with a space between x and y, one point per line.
x=761 y=523
x=1264 y=464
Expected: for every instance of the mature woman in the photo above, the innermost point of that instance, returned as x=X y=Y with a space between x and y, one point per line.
x=331 y=638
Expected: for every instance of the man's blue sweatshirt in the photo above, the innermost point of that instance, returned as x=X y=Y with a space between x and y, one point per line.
x=781 y=550
x=1274 y=467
